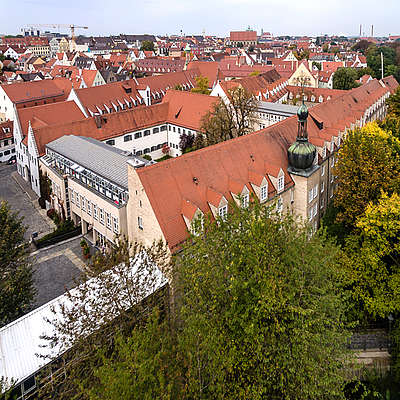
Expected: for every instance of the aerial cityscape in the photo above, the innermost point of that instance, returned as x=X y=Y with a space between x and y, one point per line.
x=200 y=200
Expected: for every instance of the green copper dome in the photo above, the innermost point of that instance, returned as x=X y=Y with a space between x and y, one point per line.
x=301 y=154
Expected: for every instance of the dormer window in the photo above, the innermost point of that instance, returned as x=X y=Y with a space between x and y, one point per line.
x=264 y=193
x=223 y=211
x=245 y=200
x=281 y=183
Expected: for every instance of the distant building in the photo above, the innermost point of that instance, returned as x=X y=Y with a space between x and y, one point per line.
x=243 y=38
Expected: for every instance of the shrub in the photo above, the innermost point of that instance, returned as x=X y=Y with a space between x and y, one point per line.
x=51 y=212
x=147 y=157
x=42 y=203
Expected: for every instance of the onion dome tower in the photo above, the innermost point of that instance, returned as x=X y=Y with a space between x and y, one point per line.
x=301 y=153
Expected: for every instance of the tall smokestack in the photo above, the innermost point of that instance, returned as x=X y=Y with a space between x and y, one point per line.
x=372 y=31
x=360 y=29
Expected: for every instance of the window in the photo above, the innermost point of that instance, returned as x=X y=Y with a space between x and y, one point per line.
x=83 y=204
x=310 y=212
x=89 y=207
x=146 y=132
x=108 y=223
x=153 y=148
x=264 y=192
x=115 y=225
x=138 y=135
x=324 y=152
x=333 y=162
x=281 y=183
x=127 y=138
x=101 y=212
x=78 y=204
x=322 y=203
x=72 y=198
x=310 y=195
x=95 y=213
x=223 y=211
x=279 y=205
x=140 y=222
x=323 y=170
x=156 y=130
x=111 y=142
x=139 y=153
x=245 y=200
x=315 y=191
x=314 y=210
x=322 y=187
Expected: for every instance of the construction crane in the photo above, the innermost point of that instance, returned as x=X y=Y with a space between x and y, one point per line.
x=72 y=27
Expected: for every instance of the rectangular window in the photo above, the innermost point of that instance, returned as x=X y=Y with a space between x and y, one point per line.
x=140 y=222
x=108 y=223
x=163 y=128
x=245 y=200
x=72 y=197
x=156 y=130
x=89 y=207
x=315 y=208
x=95 y=213
x=115 y=225
x=281 y=183
x=322 y=187
x=78 y=201
x=322 y=203
x=83 y=204
x=138 y=135
x=127 y=138
x=315 y=191
x=323 y=170
x=101 y=212
x=310 y=214
x=264 y=192
x=111 y=142
x=147 y=132
x=310 y=195
x=223 y=211
x=279 y=205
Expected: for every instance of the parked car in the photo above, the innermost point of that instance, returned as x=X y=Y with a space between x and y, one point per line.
x=12 y=160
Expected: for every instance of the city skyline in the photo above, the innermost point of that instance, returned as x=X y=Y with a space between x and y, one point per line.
x=214 y=17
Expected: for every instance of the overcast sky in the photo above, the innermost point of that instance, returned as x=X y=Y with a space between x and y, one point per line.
x=216 y=17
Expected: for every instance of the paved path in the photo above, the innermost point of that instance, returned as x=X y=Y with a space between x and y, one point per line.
x=15 y=194
x=57 y=269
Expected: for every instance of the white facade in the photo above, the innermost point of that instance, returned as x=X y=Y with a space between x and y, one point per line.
x=6 y=107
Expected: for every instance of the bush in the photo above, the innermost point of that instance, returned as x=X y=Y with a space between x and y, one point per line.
x=147 y=157
x=65 y=230
x=42 y=203
x=51 y=212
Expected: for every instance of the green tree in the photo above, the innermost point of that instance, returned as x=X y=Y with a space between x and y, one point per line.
x=368 y=162
x=17 y=290
x=229 y=118
x=202 y=85
x=374 y=58
x=257 y=314
x=147 y=45
x=345 y=78
x=393 y=103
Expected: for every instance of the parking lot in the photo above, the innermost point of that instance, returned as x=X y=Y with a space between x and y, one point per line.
x=57 y=267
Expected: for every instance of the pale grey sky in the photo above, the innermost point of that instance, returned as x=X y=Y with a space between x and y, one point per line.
x=219 y=17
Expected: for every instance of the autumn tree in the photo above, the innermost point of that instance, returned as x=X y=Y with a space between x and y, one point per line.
x=17 y=290
x=202 y=85
x=393 y=103
x=373 y=255
x=368 y=162
x=230 y=117
x=258 y=314
x=186 y=141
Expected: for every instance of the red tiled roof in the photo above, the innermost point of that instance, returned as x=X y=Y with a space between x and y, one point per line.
x=30 y=91
x=195 y=176
x=49 y=115
x=238 y=36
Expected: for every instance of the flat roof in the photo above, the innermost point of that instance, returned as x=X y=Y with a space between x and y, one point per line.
x=100 y=158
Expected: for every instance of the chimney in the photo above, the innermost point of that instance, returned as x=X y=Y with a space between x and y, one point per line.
x=360 y=29
x=372 y=31
x=97 y=120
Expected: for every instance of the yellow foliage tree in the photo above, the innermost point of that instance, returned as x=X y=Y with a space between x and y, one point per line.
x=368 y=162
